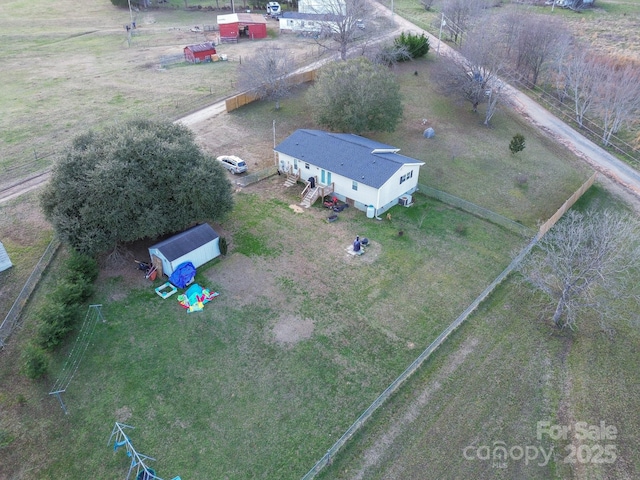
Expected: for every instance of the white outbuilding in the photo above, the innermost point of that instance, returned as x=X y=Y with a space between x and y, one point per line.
x=197 y=245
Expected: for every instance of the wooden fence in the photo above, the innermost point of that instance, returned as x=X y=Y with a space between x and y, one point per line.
x=242 y=99
x=546 y=226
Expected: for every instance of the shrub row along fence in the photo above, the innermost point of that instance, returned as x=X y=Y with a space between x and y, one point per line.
x=12 y=319
x=476 y=210
x=417 y=363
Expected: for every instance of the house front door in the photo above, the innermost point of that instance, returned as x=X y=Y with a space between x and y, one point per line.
x=325 y=177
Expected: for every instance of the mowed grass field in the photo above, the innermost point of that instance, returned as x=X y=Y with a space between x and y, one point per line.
x=69 y=67
x=302 y=338
x=504 y=371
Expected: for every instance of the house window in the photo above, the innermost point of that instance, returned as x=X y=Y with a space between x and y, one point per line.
x=306 y=165
x=406 y=176
x=354 y=185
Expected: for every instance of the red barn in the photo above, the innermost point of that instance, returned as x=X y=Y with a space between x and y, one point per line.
x=234 y=25
x=199 y=53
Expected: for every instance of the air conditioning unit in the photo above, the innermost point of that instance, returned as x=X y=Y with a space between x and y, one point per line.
x=404 y=201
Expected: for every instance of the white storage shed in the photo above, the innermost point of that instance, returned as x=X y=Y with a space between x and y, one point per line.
x=197 y=245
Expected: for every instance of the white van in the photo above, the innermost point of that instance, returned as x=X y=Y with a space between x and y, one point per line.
x=232 y=163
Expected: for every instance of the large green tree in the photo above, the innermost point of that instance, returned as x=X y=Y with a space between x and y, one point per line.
x=356 y=96
x=139 y=179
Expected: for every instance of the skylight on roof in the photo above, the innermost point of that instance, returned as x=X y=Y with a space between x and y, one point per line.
x=385 y=150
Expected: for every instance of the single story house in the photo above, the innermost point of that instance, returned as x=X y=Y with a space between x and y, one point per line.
x=5 y=261
x=233 y=25
x=368 y=175
x=197 y=245
x=307 y=22
x=202 y=52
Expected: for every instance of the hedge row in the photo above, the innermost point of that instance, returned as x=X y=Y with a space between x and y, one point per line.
x=60 y=312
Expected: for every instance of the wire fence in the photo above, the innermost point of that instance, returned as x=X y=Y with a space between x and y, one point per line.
x=476 y=210
x=11 y=321
x=74 y=358
x=419 y=361
x=416 y=364
x=257 y=176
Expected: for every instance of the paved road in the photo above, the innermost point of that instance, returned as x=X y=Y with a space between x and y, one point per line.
x=594 y=155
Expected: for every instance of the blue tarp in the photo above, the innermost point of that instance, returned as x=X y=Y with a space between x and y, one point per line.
x=183 y=274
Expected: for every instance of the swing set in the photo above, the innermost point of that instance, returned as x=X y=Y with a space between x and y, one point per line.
x=142 y=471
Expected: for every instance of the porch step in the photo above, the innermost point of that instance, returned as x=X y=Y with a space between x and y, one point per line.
x=310 y=197
x=290 y=181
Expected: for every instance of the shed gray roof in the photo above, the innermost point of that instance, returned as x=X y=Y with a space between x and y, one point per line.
x=365 y=161
x=185 y=242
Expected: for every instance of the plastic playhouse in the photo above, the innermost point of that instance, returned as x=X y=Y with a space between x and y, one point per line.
x=194 y=299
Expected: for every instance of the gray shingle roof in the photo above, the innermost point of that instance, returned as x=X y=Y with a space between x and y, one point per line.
x=185 y=242
x=365 y=161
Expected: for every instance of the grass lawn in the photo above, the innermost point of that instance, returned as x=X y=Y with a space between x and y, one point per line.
x=25 y=235
x=222 y=394
x=464 y=150
x=67 y=69
x=504 y=371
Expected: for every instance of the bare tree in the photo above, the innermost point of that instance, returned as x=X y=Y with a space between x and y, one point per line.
x=582 y=74
x=509 y=26
x=267 y=74
x=618 y=99
x=387 y=54
x=458 y=15
x=477 y=74
x=344 y=22
x=588 y=263
x=537 y=42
